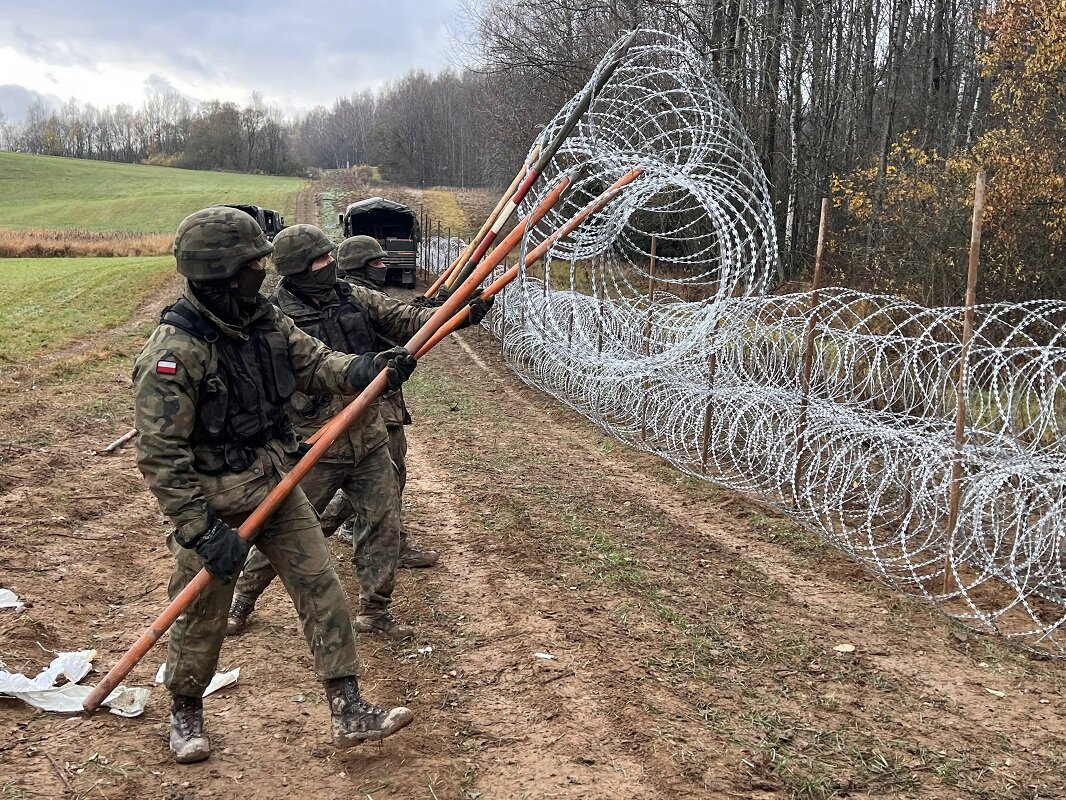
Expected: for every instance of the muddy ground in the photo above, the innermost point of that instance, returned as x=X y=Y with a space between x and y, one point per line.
x=691 y=631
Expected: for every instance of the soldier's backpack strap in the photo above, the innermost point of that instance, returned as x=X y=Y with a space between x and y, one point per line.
x=184 y=315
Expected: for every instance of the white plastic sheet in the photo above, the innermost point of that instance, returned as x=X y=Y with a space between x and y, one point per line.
x=42 y=693
x=8 y=599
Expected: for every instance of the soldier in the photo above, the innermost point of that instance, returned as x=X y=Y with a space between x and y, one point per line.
x=210 y=388
x=362 y=263
x=348 y=319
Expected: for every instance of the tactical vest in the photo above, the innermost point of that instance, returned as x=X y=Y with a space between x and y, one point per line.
x=242 y=398
x=344 y=327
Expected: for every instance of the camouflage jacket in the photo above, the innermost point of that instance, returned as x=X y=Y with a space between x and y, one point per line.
x=390 y=321
x=168 y=376
x=393 y=408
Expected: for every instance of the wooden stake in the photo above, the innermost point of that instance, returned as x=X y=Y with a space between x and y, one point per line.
x=647 y=342
x=961 y=384
x=808 y=345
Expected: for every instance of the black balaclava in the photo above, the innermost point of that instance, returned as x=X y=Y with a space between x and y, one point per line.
x=376 y=275
x=234 y=299
x=316 y=285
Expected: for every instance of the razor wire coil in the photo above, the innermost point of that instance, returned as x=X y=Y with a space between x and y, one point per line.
x=705 y=369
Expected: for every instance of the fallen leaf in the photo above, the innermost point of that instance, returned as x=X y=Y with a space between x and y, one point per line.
x=995 y=692
x=845 y=648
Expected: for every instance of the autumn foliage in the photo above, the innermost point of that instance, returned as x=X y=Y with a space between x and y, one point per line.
x=917 y=245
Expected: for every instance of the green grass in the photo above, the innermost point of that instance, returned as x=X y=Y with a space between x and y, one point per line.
x=444 y=208
x=68 y=193
x=47 y=303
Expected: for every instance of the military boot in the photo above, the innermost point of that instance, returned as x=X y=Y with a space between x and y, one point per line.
x=383 y=623
x=416 y=557
x=239 y=611
x=187 y=740
x=355 y=720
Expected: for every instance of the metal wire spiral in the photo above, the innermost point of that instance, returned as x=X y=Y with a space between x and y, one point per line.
x=704 y=369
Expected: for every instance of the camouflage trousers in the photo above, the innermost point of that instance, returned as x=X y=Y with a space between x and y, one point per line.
x=291 y=541
x=369 y=491
x=398 y=451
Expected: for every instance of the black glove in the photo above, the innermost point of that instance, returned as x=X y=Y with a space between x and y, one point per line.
x=222 y=550
x=479 y=309
x=398 y=363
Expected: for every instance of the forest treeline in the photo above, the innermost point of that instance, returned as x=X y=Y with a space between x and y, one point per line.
x=891 y=106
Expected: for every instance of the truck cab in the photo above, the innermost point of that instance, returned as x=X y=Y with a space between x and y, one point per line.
x=271 y=221
x=396 y=228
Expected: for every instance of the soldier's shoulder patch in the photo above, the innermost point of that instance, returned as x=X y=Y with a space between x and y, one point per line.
x=166 y=366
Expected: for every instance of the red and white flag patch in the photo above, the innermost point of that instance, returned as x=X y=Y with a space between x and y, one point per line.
x=166 y=367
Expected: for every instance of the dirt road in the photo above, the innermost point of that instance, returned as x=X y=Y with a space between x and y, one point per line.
x=600 y=627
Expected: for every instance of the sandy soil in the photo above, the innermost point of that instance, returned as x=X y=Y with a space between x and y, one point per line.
x=691 y=632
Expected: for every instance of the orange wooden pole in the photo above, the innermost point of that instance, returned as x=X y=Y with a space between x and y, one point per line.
x=534 y=255
x=464 y=257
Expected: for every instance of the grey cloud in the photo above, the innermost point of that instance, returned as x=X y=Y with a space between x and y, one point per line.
x=157 y=84
x=296 y=55
x=15 y=100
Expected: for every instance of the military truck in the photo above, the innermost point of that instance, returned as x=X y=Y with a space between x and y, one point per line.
x=395 y=226
x=269 y=220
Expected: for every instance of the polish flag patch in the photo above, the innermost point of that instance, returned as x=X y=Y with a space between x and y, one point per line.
x=166 y=367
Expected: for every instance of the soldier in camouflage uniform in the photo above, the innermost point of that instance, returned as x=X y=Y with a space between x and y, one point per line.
x=362 y=263
x=213 y=440
x=358 y=464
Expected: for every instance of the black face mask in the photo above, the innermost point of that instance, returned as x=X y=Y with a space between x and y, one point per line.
x=327 y=276
x=247 y=283
x=232 y=300
x=376 y=275
x=314 y=285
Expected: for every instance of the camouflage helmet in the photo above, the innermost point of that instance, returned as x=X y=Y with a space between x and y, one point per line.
x=355 y=251
x=297 y=246
x=214 y=243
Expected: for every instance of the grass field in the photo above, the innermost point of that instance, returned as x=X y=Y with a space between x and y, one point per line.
x=47 y=303
x=64 y=193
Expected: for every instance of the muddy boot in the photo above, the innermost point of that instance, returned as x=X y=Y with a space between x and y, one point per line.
x=383 y=623
x=416 y=558
x=239 y=611
x=355 y=720
x=187 y=740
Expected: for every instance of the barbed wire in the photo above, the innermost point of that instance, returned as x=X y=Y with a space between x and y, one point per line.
x=698 y=365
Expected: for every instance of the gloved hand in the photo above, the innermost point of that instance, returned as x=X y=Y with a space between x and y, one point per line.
x=398 y=363
x=222 y=550
x=479 y=309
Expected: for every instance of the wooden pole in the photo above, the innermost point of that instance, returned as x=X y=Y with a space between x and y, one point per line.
x=647 y=342
x=421 y=229
x=962 y=384
x=808 y=340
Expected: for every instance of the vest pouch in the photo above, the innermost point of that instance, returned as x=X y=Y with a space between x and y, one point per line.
x=279 y=364
x=245 y=424
x=214 y=401
x=352 y=322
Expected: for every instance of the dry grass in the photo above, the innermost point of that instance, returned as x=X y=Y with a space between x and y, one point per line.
x=56 y=243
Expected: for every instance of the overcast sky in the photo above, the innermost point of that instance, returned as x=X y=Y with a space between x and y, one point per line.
x=296 y=54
